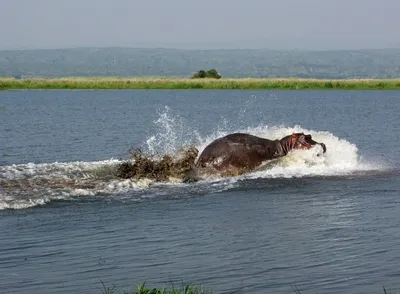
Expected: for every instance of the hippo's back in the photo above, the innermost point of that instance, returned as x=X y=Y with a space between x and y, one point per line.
x=237 y=150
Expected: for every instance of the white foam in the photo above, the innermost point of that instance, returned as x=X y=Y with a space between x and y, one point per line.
x=55 y=169
x=82 y=192
x=126 y=185
x=10 y=202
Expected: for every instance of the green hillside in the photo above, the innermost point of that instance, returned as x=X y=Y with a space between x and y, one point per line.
x=128 y=62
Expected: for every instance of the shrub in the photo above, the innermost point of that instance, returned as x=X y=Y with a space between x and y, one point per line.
x=201 y=74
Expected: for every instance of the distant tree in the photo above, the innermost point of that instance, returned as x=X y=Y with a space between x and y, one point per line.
x=201 y=74
x=212 y=73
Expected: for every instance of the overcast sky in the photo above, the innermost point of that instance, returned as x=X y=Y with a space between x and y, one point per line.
x=274 y=24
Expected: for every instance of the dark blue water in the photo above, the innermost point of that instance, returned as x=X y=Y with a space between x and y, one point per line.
x=324 y=224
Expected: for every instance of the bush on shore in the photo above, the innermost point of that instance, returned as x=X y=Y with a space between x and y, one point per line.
x=211 y=74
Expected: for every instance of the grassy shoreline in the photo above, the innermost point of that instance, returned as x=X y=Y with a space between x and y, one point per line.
x=142 y=289
x=186 y=289
x=99 y=83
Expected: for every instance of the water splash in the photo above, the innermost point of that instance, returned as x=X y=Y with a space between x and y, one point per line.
x=172 y=134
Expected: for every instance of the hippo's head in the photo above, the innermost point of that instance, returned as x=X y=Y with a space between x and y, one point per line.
x=302 y=141
x=299 y=141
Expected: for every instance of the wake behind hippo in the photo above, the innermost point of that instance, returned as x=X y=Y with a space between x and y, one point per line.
x=241 y=152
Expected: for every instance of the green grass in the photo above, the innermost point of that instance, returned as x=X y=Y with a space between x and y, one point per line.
x=179 y=83
x=190 y=289
x=142 y=289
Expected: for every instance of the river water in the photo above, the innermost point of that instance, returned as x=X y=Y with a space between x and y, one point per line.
x=323 y=224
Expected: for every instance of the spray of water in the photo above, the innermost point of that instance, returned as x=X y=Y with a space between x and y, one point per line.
x=172 y=134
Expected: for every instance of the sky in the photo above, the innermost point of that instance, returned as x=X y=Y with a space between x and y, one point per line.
x=200 y=24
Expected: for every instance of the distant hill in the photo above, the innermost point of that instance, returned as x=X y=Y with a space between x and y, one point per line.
x=183 y=63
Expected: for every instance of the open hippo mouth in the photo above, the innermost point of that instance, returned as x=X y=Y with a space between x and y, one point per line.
x=303 y=141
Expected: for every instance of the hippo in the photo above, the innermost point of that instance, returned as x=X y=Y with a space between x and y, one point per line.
x=244 y=152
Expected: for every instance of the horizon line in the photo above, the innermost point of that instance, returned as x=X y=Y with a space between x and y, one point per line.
x=200 y=49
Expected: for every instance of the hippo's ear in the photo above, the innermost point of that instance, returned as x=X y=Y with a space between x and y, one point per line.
x=293 y=138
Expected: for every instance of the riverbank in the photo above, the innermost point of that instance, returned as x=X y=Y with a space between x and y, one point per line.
x=179 y=83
